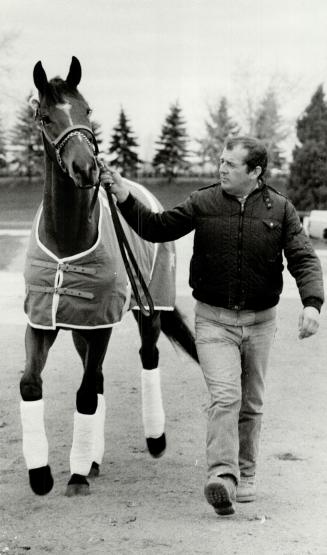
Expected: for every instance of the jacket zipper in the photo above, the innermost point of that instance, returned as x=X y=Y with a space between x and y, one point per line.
x=239 y=254
x=239 y=250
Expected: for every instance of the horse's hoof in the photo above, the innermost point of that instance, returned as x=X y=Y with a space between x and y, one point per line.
x=95 y=470
x=77 y=485
x=41 y=480
x=156 y=445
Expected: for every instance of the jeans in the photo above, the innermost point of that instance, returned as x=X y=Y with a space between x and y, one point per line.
x=233 y=348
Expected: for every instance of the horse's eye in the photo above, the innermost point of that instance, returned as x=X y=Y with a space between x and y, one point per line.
x=45 y=119
x=89 y=111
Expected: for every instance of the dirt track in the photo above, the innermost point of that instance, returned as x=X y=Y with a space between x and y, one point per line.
x=143 y=506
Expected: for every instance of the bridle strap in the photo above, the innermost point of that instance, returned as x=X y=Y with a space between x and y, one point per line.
x=129 y=259
x=74 y=130
x=55 y=142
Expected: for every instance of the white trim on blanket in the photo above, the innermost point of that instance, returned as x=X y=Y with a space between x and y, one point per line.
x=73 y=326
x=155 y=208
x=60 y=276
x=74 y=256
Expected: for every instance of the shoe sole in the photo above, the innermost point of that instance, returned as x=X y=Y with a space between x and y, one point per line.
x=245 y=498
x=218 y=496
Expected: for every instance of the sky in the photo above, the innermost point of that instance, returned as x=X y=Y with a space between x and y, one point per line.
x=144 y=55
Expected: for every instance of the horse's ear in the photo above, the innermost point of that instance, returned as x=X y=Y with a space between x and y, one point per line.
x=40 y=77
x=75 y=73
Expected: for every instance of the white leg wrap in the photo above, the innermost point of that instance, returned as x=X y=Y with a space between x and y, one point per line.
x=98 y=445
x=152 y=408
x=35 y=443
x=82 y=447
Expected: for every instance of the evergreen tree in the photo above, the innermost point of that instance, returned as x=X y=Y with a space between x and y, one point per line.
x=97 y=132
x=27 y=142
x=3 y=148
x=268 y=128
x=122 y=145
x=219 y=126
x=171 y=155
x=313 y=123
x=307 y=185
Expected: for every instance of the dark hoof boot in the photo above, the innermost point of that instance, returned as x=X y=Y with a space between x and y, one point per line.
x=41 y=480
x=95 y=470
x=156 y=445
x=77 y=485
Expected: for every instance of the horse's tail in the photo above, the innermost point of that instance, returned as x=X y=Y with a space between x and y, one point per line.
x=175 y=328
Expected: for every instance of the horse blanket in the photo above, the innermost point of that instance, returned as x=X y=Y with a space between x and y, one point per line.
x=91 y=289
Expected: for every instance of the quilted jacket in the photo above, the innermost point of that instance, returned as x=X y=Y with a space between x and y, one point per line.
x=237 y=260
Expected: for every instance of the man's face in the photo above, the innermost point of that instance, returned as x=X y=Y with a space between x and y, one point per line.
x=234 y=176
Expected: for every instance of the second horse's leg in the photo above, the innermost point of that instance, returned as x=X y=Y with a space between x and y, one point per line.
x=88 y=436
x=152 y=407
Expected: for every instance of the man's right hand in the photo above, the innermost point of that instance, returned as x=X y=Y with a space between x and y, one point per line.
x=308 y=322
x=115 y=181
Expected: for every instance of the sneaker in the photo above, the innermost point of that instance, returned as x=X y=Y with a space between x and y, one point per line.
x=246 y=489
x=220 y=492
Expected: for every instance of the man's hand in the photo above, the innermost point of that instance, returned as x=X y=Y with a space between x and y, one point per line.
x=308 y=322
x=114 y=179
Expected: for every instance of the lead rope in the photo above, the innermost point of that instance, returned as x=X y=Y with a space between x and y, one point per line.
x=126 y=251
x=128 y=259
x=94 y=199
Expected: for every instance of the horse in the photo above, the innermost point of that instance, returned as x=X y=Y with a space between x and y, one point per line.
x=72 y=235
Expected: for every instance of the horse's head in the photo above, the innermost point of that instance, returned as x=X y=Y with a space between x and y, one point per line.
x=64 y=116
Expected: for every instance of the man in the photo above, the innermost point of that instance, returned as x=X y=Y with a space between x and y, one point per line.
x=242 y=227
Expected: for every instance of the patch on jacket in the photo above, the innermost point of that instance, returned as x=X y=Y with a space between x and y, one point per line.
x=91 y=289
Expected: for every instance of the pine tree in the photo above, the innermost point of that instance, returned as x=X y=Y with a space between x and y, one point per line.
x=268 y=128
x=97 y=132
x=3 y=148
x=27 y=142
x=219 y=126
x=171 y=155
x=312 y=125
x=122 y=145
x=307 y=185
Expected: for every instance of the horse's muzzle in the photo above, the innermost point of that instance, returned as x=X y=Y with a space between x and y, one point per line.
x=86 y=176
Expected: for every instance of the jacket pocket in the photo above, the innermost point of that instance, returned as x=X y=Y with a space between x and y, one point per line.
x=273 y=225
x=267 y=241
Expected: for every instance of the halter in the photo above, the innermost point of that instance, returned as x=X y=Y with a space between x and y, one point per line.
x=73 y=131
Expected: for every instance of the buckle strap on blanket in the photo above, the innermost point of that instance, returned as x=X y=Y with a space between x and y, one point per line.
x=64 y=266
x=60 y=291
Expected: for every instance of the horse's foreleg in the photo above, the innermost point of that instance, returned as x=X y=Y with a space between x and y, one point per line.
x=88 y=436
x=153 y=414
x=98 y=442
x=35 y=443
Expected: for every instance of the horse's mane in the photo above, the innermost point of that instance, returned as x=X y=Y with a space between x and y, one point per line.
x=57 y=89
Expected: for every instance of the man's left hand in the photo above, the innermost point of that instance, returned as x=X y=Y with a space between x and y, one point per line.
x=308 y=322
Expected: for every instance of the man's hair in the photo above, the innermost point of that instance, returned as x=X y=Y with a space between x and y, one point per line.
x=256 y=152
